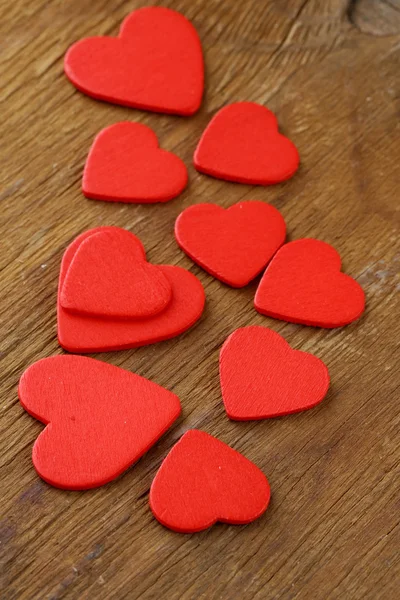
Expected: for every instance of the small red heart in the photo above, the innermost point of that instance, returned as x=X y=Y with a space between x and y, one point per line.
x=77 y=333
x=303 y=284
x=100 y=419
x=155 y=64
x=242 y=143
x=263 y=377
x=202 y=481
x=125 y=164
x=110 y=277
x=234 y=245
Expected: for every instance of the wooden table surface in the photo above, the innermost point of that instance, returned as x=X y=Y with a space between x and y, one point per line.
x=330 y=70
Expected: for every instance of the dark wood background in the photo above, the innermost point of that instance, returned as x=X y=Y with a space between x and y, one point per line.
x=330 y=70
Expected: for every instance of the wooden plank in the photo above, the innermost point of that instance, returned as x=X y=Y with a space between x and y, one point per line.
x=332 y=528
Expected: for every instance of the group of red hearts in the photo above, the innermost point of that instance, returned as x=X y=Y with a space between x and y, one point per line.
x=101 y=419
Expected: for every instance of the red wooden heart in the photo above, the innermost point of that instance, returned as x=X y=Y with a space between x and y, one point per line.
x=155 y=64
x=125 y=164
x=263 y=377
x=77 y=333
x=242 y=143
x=100 y=419
x=109 y=276
x=303 y=284
x=234 y=245
x=203 y=481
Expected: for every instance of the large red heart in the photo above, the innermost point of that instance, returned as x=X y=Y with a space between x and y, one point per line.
x=109 y=276
x=234 y=245
x=155 y=64
x=242 y=144
x=263 y=377
x=77 y=333
x=125 y=164
x=303 y=284
x=203 y=481
x=100 y=419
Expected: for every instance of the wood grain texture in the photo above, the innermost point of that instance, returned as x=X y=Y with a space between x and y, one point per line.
x=331 y=530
